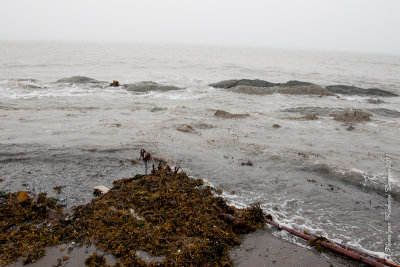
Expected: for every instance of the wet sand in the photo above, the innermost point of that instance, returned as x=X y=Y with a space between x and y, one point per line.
x=262 y=248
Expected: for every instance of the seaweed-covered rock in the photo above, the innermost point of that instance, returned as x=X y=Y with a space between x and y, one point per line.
x=78 y=79
x=242 y=82
x=226 y=115
x=356 y=116
x=260 y=87
x=302 y=88
x=352 y=90
x=144 y=87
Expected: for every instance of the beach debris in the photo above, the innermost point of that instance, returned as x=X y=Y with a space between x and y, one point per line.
x=321 y=242
x=356 y=116
x=187 y=129
x=146 y=156
x=248 y=163
x=100 y=190
x=114 y=83
x=58 y=189
x=226 y=115
x=23 y=196
x=194 y=128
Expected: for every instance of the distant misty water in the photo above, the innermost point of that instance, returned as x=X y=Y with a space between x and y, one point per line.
x=186 y=65
x=322 y=175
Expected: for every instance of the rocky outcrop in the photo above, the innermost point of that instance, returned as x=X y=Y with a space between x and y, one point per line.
x=243 y=82
x=144 y=87
x=352 y=90
x=261 y=87
x=78 y=79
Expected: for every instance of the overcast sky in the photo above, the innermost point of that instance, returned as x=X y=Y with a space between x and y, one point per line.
x=344 y=25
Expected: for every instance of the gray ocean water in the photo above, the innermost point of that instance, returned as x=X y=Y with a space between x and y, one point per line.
x=310 y=175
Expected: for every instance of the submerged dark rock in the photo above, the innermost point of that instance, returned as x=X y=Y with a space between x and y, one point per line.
x=385 y=112
x=375 y=101
x=352 y=90
x=318 y=111
x=78 y=79
x=144 y=87
x=356 y=116
x=156 y=109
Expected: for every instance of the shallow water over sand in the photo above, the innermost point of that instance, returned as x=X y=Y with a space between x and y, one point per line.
x=313 y=175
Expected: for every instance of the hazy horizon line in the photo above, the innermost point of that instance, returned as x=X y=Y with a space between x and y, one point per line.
x=205 y=44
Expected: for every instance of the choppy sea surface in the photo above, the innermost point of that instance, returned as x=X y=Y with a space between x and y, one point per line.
x=313 y=175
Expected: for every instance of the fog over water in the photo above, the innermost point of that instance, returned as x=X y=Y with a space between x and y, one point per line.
x=355 y=25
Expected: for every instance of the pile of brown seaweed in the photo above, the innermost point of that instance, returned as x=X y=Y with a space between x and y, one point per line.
x=28 y=225
x=165 y=214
